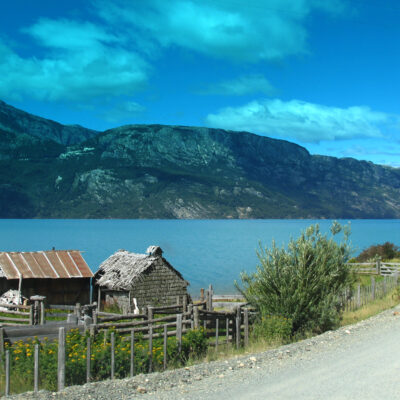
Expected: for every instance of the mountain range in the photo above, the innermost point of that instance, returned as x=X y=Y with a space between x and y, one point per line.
x=50 y=170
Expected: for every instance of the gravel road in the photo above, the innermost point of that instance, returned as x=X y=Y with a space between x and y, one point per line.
x=361 y=361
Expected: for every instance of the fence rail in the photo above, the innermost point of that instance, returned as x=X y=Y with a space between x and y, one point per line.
x=378 y=268
x=17 y=310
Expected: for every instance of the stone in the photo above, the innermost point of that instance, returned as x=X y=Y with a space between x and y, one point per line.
x=141 y=389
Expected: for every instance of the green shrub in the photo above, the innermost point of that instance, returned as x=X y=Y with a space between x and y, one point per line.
x=302 y=283
x=272 y=328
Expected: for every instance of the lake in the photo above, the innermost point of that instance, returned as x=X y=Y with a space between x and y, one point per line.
x=204 y=251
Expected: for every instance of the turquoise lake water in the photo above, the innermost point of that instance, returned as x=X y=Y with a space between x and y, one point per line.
x=204 y=251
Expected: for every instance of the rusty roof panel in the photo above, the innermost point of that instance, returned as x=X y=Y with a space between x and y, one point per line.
x=57 y=264
x=44 y=264
x=9 y=271
x=19 y=263
x=69 y=264
x=84 y=269
x=33 y=265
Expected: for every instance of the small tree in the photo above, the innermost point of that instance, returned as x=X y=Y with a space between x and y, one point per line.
x=386 y=251
x=304 y=282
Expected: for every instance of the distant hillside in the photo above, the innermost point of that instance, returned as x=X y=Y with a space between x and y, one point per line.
x=17 y=121
x=156 y=171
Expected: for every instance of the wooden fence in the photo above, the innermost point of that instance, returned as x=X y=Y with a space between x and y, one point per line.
x=16 y=315
x=221 y=327
x=355 y=298
x=157 y=322
x=376 y=268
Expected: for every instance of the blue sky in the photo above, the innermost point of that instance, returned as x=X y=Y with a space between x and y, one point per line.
x=323 y=74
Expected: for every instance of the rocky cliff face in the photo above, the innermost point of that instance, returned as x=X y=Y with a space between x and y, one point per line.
x=155 y=171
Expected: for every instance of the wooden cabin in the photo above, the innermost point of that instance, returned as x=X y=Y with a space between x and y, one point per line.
x=61 y=275
x=148 y=278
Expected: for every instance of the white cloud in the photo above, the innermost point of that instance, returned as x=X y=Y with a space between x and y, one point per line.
x=81 y=62
x=246 y=84
x=69 y=34
x=306 y=122
x=257 y=30
x=124 y=110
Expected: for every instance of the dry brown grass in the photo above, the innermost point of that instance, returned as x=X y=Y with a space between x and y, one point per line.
x=370 y=309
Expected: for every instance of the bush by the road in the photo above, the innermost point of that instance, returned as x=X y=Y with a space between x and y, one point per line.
x=302 y=282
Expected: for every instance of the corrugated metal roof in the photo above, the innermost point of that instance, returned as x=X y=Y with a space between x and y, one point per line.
x=44 y=264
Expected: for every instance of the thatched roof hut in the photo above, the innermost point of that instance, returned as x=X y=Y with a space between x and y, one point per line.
x=149 y=278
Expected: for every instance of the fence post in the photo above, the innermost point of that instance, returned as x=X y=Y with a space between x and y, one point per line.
x=31 y=312
x=38 y=309
x=216 y=334
x=190 y=312
x=378 y=265
x=184 y=304
x=227 y=329
x=42 y=313
x=177 y=300
x=150 y=312
x=373 y=287
x=36 y=369
x=384 y=285
x=246 y=327
x=179 y=331
x=78 y=310
x=88 y=355
x=7 y=389
x=237 y=327
x=202 y=294
x=132 y=353
x=196 y=317
x=61 y=359
x=150 y=348
x=358 y=296
x=210 y=298
x=1 y=341
x=165 y=347
x=112 y=355
x=98 y=298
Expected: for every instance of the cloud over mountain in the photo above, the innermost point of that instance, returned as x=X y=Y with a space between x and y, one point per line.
x=299 y=120
x=242 y=85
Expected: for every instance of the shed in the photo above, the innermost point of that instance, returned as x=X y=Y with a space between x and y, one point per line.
x=149 y=278
x=61 y=275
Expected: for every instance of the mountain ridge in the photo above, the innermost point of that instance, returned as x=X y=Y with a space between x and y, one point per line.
x=172 y=171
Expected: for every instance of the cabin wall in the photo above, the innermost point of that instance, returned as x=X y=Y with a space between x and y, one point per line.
x=117 y=298
x=57 y=291
x=159 y=285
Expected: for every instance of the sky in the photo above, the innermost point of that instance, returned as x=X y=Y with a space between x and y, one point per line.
x=324 y=74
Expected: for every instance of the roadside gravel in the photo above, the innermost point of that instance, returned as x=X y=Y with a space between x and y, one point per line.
x=253 y=375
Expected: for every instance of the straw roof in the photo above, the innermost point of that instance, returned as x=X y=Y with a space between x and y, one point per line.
x=123 y=269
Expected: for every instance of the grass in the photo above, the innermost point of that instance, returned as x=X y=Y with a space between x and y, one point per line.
x=375 y=307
